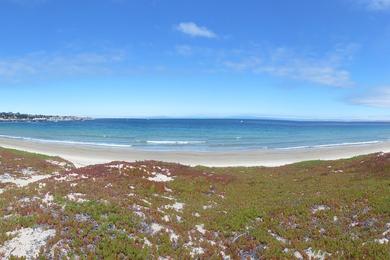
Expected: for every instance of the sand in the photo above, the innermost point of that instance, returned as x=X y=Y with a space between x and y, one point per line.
x=83 y=155
x=26 y=243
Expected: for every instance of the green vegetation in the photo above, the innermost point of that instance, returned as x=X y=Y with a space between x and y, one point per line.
x=322 y=209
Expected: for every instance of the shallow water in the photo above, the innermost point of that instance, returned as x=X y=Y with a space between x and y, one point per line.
x=200 y=134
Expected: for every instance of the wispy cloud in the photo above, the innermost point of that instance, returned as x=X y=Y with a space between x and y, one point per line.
x=44 y=64
x=376 y=5
x=194 y=30
x=184 y=50
x=249 y=63
x=380 y=97
x=327 y=69
x=25 y=2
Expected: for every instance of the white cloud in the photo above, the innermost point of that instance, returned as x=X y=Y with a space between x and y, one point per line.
x=44 y=64
x=194 y=30
x=318 y=69
x=376 y=5
x=310 y=71
x=378 y=98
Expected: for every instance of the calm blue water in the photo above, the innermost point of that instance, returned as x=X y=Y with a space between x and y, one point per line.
x=199 y=134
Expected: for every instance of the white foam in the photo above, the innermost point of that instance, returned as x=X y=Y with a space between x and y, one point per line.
x=65 y=141
x=175 y=142
x=329 y=145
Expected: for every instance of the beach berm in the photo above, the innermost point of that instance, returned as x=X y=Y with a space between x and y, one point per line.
x=151 y=209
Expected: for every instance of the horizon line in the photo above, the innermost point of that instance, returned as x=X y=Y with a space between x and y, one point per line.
x=293 y=119
x=232 y=117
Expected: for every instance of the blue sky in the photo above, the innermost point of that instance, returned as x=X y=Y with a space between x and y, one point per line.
x=326 y=59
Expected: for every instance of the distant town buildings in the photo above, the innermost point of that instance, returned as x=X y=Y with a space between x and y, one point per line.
x=8 y=116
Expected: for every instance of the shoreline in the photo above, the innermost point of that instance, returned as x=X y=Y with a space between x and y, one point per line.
x=83 y=155
x=113 y=145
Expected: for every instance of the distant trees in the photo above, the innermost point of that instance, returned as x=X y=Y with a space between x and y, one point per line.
x=18 y=116
x=9 y=116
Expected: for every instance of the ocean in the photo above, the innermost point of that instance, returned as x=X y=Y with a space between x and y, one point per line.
x=200 y=134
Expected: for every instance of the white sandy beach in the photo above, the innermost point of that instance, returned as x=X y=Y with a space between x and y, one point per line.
x=83 y=155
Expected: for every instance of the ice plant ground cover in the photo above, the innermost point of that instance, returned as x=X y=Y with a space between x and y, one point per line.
x=316 y=209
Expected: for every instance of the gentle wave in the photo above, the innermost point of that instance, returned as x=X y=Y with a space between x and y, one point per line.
x=157 y=143
x=328 y=145
x=175 y=142
x=66 y=142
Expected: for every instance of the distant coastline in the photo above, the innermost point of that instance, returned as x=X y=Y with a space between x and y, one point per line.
x=15 y=117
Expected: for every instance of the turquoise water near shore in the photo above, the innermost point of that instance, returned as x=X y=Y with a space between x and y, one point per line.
x=200 y=134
